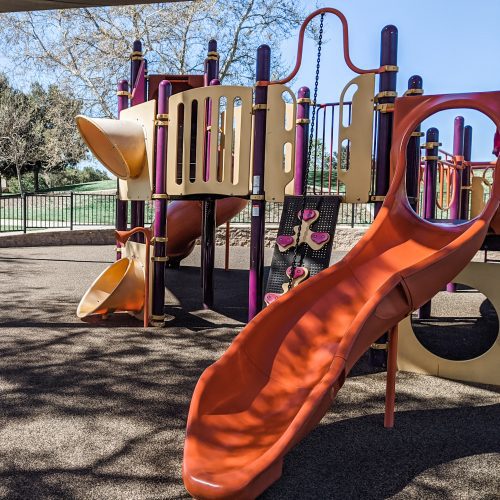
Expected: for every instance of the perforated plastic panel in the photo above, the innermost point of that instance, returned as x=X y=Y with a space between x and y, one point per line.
x=315 y=261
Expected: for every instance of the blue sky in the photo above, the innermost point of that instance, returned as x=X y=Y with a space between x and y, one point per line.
x=453 y=44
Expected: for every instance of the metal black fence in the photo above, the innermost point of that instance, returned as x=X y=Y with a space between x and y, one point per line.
x=67 y=210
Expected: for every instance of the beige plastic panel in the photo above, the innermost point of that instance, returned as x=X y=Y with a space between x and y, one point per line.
x=485 y=369
x=230 y=163
x=477 y=197
x=357 y=179
x=279 y=166
x=141 y=187
x=137 y=251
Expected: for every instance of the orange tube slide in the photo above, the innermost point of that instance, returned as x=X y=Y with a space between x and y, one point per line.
x=281 y=374
x=184 y=223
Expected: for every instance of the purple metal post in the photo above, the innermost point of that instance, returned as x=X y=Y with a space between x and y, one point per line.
x=160 y=204
x=387 y=83
x=256 y=274
x=466 y=180
x=301 y=138
x=208 y=224
x=430 y=181
x=121 y=206
x=413 y=150
x=430 y=173
x=209 y=207
x=138 y=89
x=458 y=150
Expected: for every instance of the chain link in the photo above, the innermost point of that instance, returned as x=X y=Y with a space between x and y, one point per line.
x=309 y=153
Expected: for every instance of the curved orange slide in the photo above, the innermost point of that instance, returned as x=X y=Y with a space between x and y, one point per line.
x=281 y=374
x=184 y=223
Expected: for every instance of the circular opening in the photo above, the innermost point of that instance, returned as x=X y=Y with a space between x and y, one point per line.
x=462 y=325
x=449 y=175
x=104 y=285
x=101 y=146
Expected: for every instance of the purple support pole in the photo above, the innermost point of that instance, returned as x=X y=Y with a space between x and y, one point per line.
x=208 y=224
x=430 y=173
x=160 y=205
x=301 y=139
x=466 y=180
x=430 y=181
x=256 y=274
x=121 y=206
x=413 y=150
x=458 y=150
x=387 y=83
x=136 y=207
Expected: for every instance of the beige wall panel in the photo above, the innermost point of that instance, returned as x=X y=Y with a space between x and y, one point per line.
x=357 y=179
x=485 y=369
x=239 y=159
x=141 y=187
x=279 y=167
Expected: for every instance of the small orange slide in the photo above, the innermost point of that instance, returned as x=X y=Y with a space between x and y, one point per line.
x=184 y=223
x=280 y=375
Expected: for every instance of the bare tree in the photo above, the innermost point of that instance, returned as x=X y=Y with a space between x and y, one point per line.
x=86 y=50
x=15 y=125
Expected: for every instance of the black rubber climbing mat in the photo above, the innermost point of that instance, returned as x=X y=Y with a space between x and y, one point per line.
x=314 y=260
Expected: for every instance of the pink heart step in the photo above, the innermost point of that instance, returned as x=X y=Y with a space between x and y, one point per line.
x=271 y=297
x=319 y=238
x=308 y=214
x=284 y=241
x=299 y=271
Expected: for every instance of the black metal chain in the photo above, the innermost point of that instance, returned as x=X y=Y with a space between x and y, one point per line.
x=309 y=153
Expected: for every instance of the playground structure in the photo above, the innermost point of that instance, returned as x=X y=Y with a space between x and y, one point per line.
x=288 y=364
x=134 y=148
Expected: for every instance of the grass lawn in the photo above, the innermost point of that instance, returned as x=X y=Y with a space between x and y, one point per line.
x=87 y=187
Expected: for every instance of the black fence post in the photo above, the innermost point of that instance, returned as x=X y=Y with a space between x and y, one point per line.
x=352 y=214
x=71 y=210
x=25 y=210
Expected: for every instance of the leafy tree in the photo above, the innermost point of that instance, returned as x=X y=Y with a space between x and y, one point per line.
x=37 y=132
x=86 y=50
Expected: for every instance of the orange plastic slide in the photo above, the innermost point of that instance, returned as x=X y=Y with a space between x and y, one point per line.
x=184 y=223
x=281 y=374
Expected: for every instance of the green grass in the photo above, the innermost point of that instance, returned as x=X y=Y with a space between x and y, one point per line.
x=86 y=187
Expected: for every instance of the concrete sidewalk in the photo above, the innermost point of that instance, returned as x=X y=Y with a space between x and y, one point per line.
x=97 y=410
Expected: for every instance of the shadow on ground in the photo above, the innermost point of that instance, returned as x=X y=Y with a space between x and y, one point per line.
x=98 y=409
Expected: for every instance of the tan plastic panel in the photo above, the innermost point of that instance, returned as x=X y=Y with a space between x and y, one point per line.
x=485 y=369
x=477 y=197
x=141 y=187
x=357 y=179
x=137 y=252
x=279 y=166
x=230 y=176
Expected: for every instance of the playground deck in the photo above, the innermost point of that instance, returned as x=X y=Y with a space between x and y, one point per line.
x=93 y=410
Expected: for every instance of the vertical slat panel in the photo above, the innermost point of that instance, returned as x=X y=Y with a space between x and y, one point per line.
x=228 y=144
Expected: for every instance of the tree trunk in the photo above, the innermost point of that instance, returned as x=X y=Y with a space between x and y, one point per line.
x=36 y=171
x=18 y=172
